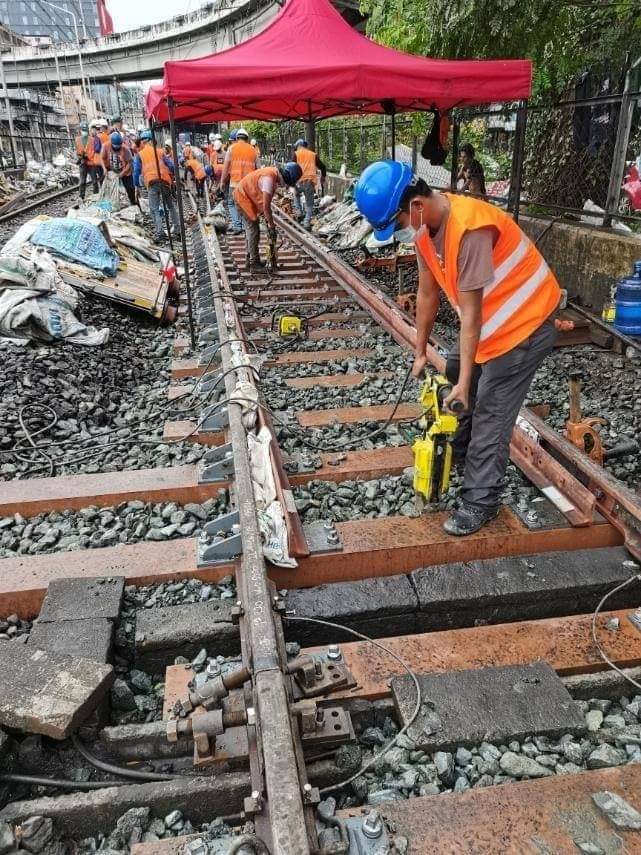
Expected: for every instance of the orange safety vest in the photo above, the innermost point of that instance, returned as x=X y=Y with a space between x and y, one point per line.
x=104 y=137
x=197 y=167
x=243 y=161
x=306 y=159
x=524 y=291
x=149 y=167
x=248 y=194
x=85 y=150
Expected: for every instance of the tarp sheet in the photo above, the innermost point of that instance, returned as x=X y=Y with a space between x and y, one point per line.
x=77 y=241
x=310 y=63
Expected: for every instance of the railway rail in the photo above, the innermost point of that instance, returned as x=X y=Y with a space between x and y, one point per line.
x=373 y=693
x=35 y=200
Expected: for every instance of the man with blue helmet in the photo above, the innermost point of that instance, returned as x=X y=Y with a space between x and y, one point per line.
x=117 y=158
x=154 y=169
x=505 y=296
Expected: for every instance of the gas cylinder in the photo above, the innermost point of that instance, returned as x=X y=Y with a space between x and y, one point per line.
x=628 y=303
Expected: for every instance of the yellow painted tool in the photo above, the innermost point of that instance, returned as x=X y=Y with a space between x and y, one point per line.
x=433 y=450
x=289 y=325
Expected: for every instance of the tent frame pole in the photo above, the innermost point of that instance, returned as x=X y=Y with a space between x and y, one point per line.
x=393 y=118
x=181 y=217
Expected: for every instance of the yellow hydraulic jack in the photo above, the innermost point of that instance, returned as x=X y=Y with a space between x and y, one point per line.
x=433 y=450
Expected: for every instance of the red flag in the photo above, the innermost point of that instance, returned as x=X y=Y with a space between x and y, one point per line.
x=106 y=22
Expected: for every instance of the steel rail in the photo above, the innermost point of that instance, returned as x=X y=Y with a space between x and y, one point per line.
x=35 y=203
x=575 y=501
x=276 y=730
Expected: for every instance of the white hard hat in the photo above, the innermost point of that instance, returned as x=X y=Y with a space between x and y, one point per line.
x=103 y=123
x=253 y=141
x=212 y=137
x=93 y=123
x=241 y=132
x=218 y=136
x=167 y=143
x=218 y=144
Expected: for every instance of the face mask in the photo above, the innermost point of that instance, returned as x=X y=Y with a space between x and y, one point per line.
x=406 y=235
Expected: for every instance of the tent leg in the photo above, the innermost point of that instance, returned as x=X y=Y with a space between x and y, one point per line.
x=517 y=162
x=456 y=128
x=393 y=132
x=181 y=217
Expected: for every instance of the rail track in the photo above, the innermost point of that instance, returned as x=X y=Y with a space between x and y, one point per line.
x=34 y=200
x=373 y=697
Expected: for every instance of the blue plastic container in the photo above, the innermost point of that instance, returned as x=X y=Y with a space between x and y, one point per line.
x=628 y=303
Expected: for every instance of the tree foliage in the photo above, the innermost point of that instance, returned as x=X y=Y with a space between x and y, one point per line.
x=562 y=37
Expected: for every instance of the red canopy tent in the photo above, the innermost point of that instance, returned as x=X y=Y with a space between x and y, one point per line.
x=309 y=63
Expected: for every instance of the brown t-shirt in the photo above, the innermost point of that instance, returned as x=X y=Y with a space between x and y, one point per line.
x=475 y=265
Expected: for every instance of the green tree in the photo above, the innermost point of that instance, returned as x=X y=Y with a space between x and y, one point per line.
x=562 y=37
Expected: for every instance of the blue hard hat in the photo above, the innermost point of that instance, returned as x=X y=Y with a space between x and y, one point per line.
x=146 y=135
x=209 y=171
x=378 y=194
x=232 y=135
x=291 y=173
x=116 y=140
x=300 y=142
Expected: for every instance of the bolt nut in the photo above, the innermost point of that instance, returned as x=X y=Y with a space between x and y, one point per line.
x=255 y=795
x=372 y=826
x=334 y=652
x=251 y=716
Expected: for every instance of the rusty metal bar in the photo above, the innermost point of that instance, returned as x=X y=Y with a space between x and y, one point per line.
x=297 y=541
x=284 y=801
x=616 y=502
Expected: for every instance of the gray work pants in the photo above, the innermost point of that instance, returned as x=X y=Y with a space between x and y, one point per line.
x=252 y=237
x=88 y=171
x=234 y=212
x=160 y=191
x=497 y=392
x=305 y=189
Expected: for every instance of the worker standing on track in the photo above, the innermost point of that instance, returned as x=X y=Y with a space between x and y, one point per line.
x=86 y=143
x=253 y=196
x=240 y=160
x=117 y=158
x=217 y=160
x=154 y=170
x=309 y=163
x=505 y=296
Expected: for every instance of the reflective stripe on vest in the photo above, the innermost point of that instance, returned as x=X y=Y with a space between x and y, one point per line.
x=306 y=159
x=242 y=161
x=248 y=194
x=149 y=167
x=523 y=292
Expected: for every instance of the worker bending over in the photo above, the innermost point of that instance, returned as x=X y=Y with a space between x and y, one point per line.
x=505 y=296
x=309 y=163
x=253 y=196
x=197 y=171
x=117 y=158
x=154 y=170
x=88 y=151
x=240 y=160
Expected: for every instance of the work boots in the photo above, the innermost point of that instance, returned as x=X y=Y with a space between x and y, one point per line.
x=467 y=519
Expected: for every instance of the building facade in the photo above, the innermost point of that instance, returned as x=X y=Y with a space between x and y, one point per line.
x=36 y=20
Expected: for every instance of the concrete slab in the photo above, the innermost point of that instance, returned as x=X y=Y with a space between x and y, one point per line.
x=491 y=704
x=46 y=693
x=163 y=634
x=519 y=588
x=381 y=606
x=91 y=637
x=85 y=814
x=78 y=599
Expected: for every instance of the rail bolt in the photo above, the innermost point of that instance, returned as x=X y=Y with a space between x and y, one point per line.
x=372 y=826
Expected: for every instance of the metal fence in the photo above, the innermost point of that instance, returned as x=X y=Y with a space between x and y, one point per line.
x=17 y=150
x=572 y=158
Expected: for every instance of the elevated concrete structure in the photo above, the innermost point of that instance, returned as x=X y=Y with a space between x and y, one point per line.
x=141 y=54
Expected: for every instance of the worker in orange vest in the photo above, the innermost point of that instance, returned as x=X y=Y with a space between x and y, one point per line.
x=217 y=159
x=309 y=162
x=253 y=196
x=154 y=169
x=505 y=296
x=117 y=158
x=197 y=171
x=87 y=146
x=240 y=160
